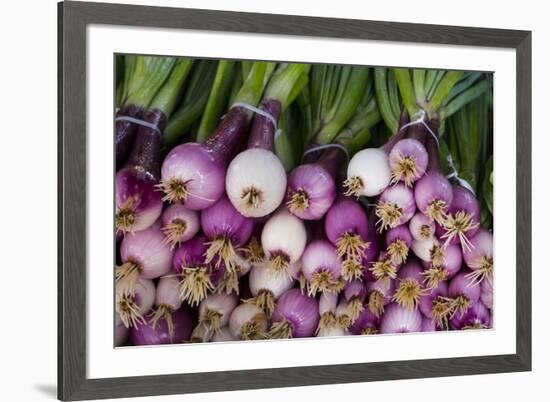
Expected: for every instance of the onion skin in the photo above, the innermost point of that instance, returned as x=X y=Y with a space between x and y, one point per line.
x=132 y=309
x=366 y=323
x=190 y=254
x=121 y=332
x=486 y=296
x=300 y=310
x=145 y=334
x=398 y=243
x=428 y=325
x=222 y=219
x=476 y=317
x=479 y=258
x=397 y=319
x=221 y=303
x=464 y=293
x=244 y=315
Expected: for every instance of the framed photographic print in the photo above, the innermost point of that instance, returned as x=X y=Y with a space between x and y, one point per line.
x=258 y=201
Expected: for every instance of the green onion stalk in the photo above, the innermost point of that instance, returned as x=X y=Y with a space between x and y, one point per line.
x=143 y=78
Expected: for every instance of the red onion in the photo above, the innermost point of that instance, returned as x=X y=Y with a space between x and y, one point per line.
x=409 y=285
x=433 y=194
x=132 y=307
x=437 y=306
x=421 y=227
x=227 y=230
x=322 y=268
x=295 y=316
x=144 y=254
x=395 y=207
x=476 y=317
x=479 y=258
x=463 y=293
x=179 y=224
x=138 y=203
x=311 y=186
x=462 y=221
x=355 y=294
x=397 y=319
x=328 y=324
x=444 y=263
x=366 y=323
x=167 y=301
x=196 y=275
x=283 y=240
x=398 y=242
x=267 y=286
x=408 y=161
x=248 y=322
x=194 y=174
x=215 y=312
x=223 y=335
x=146 y=334
x=346 y=227
x=380 y=294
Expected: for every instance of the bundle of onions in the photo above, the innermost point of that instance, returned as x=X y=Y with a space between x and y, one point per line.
x=138 y=204
x=398 y=319
x=409 y=285
x=248 y=322
x=144 y=254
x=396 y=206
x=256 y=179
x=283 y=240
x=321 y=267
x=179 y=224
x=196 y=274
x=479 y=258
x=159 y=334
x=462 y=220
x=380 y=293
x=167 y=301
x=476 y=317
x=346 y=227
x=295 y=316
x=398 y=242
x=194 y=174
x=132 y=307
x=227 y=230
x=266 y=287
x=367 y=323
x=462 y=293
x=214 y=313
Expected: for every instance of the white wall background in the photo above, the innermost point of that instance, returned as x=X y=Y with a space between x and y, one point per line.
x=28 y=198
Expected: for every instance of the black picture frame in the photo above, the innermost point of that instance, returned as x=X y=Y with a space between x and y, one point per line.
x=73 y=17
